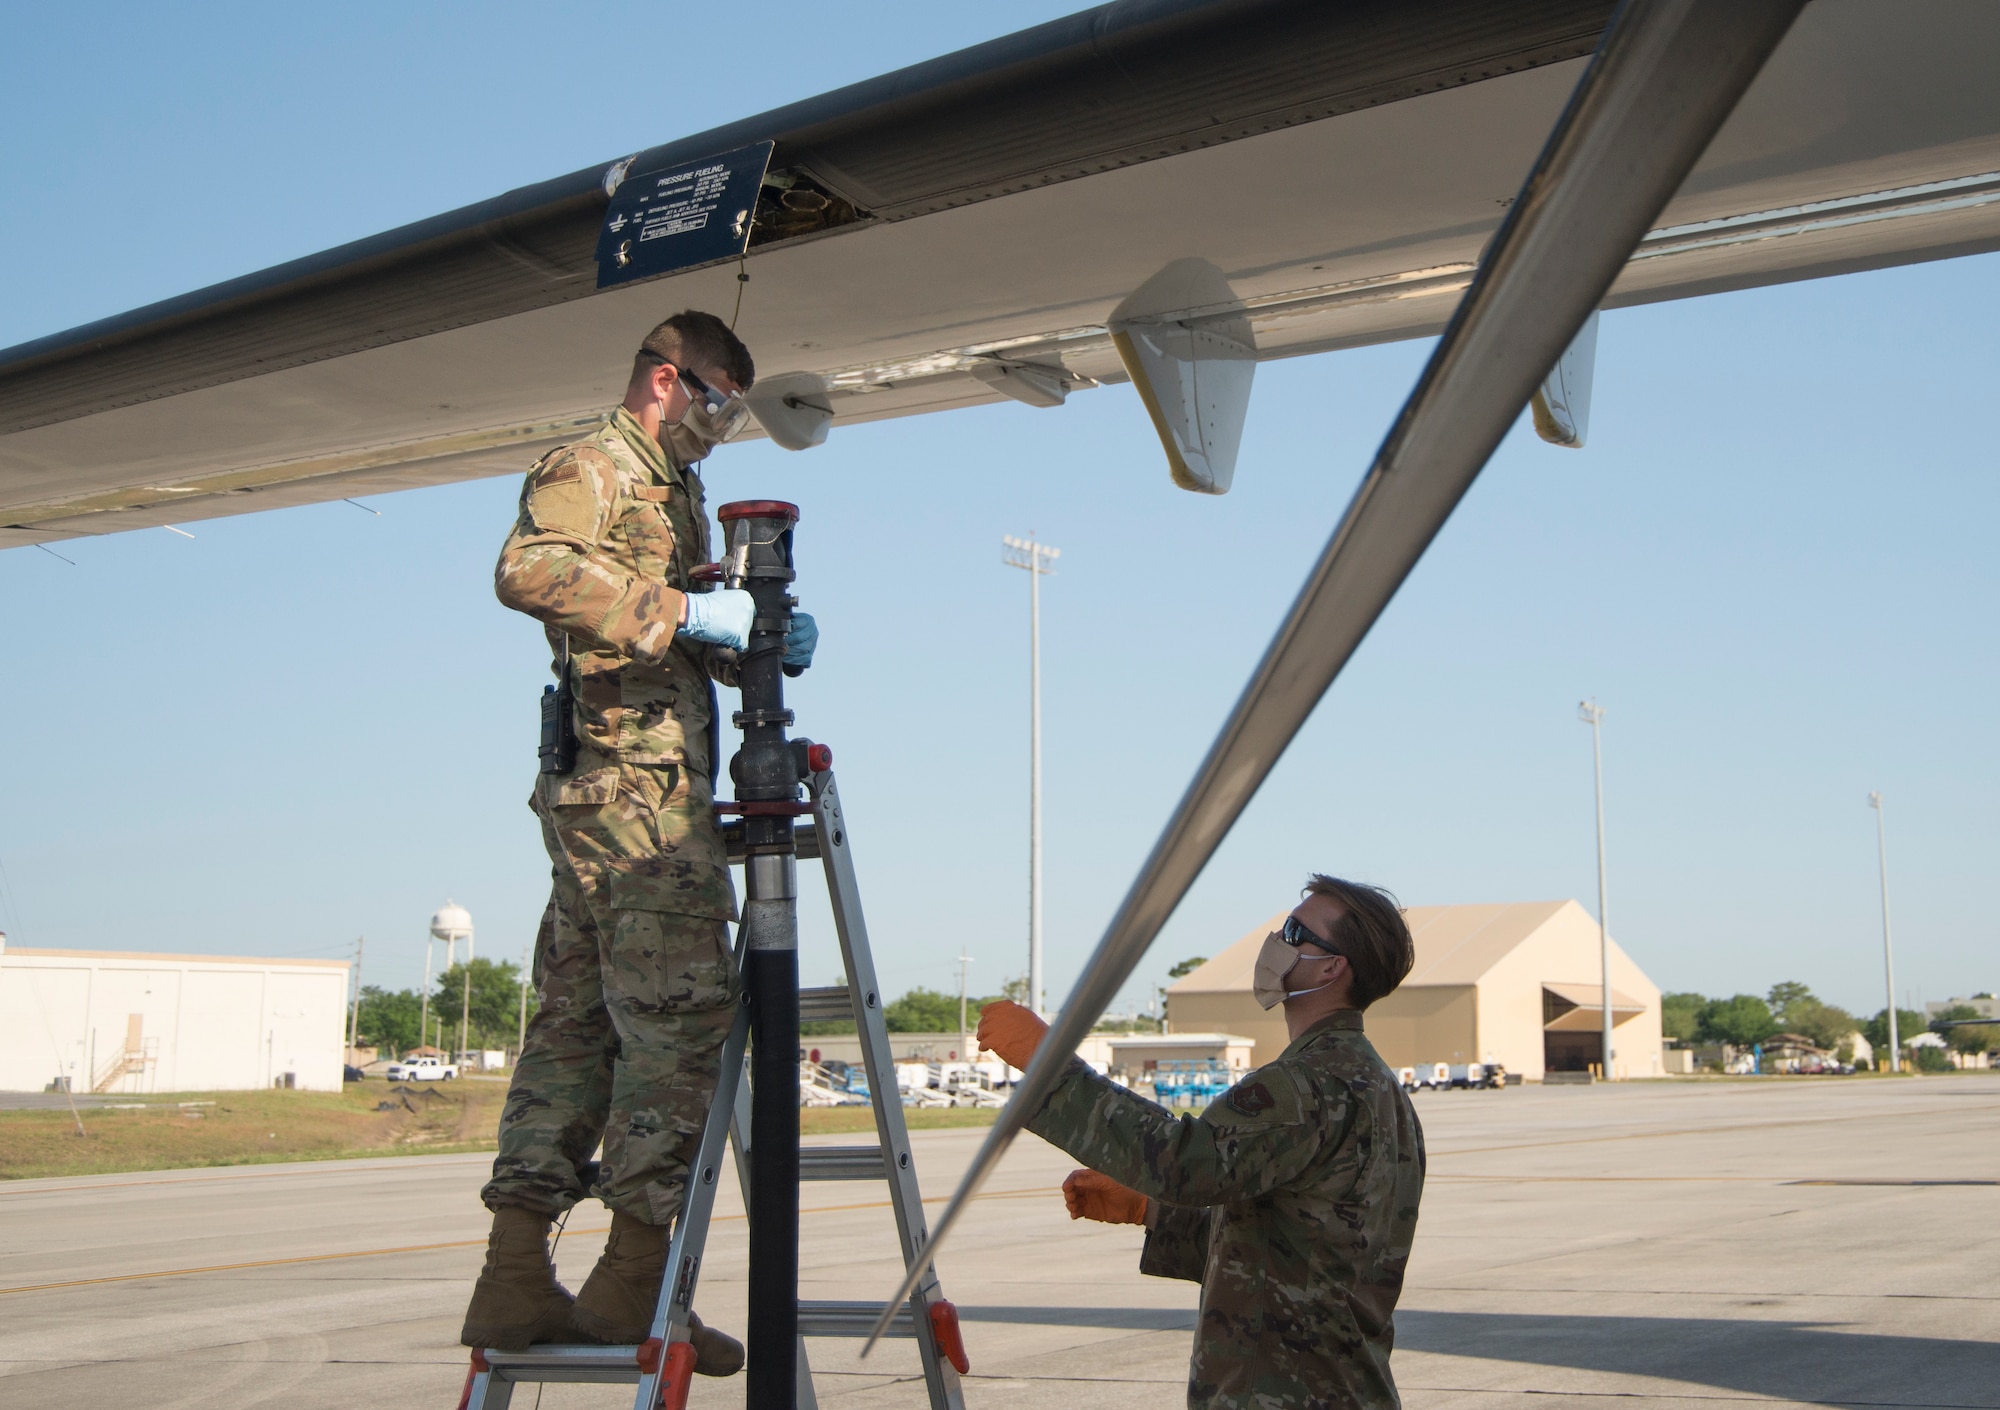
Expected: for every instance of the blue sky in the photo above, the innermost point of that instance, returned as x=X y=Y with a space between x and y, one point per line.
x=1772 y=566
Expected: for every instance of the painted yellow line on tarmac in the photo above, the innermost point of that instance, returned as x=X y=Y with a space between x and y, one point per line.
x=460 y=1243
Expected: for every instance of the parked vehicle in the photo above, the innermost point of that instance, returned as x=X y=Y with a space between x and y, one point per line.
x=819 y=1086
x=1190 y=1082
x=423 y=1069
x=968 y=1086
x=1445 y=1076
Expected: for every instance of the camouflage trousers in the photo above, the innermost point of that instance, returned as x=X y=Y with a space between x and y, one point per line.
x=636 y=1001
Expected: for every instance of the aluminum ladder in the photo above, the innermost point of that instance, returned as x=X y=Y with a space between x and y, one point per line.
x=661 y=1366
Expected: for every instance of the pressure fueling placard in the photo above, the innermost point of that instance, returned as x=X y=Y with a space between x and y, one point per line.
x=679 y=216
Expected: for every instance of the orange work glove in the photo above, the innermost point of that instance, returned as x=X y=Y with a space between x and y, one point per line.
x=1090 y=1195
x=1012 y=1031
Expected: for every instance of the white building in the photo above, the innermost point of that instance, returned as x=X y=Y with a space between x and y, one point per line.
x=111 y=1021
x=1137 y=1055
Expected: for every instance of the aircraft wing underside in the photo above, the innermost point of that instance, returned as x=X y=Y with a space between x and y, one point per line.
x=987 y=214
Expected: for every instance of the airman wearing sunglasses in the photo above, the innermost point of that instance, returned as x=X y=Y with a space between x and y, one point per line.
x=632 y=963
x=1292 y=1199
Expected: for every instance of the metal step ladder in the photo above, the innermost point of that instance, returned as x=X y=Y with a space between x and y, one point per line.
x=661 y=1366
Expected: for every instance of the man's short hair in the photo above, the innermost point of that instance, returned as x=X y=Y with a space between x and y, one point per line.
x=1372 y=934
x=692 y=336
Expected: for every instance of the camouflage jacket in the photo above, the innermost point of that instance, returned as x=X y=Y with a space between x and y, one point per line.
x=608 y=532
x=1292 y=1200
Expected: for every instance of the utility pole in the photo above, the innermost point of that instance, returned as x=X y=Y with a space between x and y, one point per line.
x=1592 y=714
x=1032 y=556
x=465 y=1009
x=354 y=1018
x=963 y=961
x=424 y=1018
x=1888 y=956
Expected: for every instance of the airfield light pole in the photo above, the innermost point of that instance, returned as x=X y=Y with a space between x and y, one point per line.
x=1592 y=714
x=1031 y=556
x=1888 y=956
x=424 y=1018
x=964 y=1051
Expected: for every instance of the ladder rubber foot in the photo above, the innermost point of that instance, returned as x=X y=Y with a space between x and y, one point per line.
x=679 y=1374
x=950 y=1340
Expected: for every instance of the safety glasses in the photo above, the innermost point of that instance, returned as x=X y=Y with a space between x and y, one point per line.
x=727 y=412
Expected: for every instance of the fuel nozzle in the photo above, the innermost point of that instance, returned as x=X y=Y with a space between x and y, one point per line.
x=758 y=560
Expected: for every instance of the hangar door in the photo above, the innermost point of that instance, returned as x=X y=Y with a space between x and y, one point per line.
x=1573 y=1025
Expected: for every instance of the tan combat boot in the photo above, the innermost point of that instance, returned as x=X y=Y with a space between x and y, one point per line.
x=517 y=1300
x=618 y=1299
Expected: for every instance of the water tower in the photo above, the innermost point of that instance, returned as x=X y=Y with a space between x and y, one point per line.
x=451 y=924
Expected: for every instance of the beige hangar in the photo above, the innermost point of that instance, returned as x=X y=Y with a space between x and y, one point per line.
x=1512 y=983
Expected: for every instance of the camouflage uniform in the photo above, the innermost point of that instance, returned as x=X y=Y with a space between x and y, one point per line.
x=1292 y=1200
x=632 y=964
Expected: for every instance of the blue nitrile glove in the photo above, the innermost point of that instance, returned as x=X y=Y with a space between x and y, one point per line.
x=720 y=618
x=800 y=641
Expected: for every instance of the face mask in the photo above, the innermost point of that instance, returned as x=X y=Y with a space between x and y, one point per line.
x=1275 y=960
x=691 y=438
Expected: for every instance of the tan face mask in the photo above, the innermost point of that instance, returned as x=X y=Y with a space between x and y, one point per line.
x=1275 y=961
x=690 y=439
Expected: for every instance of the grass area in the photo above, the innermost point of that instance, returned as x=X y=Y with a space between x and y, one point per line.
x=254 y=1127
x=251 y=1128
x=830 y=1120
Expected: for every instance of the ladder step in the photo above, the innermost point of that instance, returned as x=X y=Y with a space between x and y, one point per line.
x=841 y=1163
x=851 y=1319
x=600 y=1364
x=829 y=1005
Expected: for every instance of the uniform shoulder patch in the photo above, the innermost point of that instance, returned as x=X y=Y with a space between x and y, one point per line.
x=566 y=463
x=565 y=492
x=1252 y=1098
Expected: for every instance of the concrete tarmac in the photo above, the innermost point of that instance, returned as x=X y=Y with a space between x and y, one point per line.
x=1652 y=1246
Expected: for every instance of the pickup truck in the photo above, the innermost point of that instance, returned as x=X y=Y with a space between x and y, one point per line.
x=425 y=1069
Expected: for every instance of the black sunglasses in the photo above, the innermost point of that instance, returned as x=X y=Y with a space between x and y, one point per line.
x=1296 y=934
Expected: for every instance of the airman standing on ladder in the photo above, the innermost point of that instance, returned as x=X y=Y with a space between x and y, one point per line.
x=632 y=963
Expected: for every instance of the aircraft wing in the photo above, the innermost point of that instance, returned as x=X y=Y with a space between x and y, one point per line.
x=982 y=225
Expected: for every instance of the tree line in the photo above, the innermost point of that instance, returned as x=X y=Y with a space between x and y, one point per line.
x=934 y=1011
x=927 y=1011
x=1744 y=1020
x=389 y=1019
